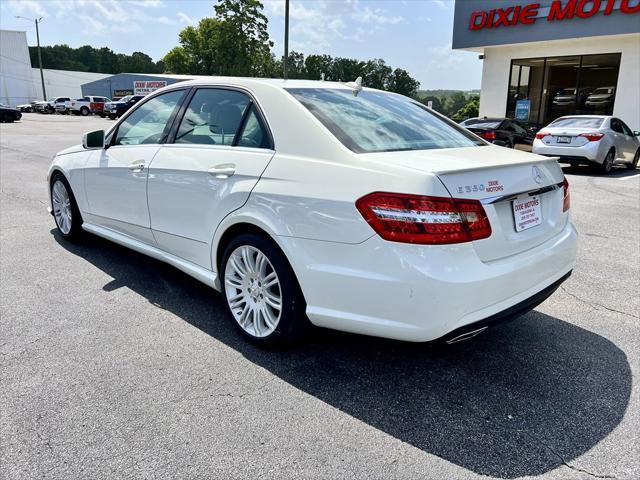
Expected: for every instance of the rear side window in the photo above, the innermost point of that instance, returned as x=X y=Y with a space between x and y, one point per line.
x=381 y=122
x=214 y=117
x=577 y=122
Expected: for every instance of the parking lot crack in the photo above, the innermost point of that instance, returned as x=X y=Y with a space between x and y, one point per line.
x=596 y=304
x=18 y=197
x=562 y=459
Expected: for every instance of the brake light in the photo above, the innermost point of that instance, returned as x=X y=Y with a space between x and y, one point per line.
x=566 y=199
x=592 y=137
x=420 y=219
x=541 y=135
x=489 y=135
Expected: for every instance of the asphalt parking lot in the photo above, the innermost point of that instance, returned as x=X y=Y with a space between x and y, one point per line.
x=113 y=365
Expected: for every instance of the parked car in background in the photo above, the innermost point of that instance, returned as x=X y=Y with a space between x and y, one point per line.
x=503 y=132
x=115 y=110
x=8 y=114
x=597 y=140
x=26 y=107
x=601 y=97
x=567 y=97
x=51 y=105
x=427 y=232
x=86 y=105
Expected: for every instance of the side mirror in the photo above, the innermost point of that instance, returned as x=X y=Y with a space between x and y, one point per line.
x=636 y=133
x=93 y=139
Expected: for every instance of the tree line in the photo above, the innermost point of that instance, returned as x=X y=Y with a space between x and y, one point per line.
x=234 y=41
x=97 y=60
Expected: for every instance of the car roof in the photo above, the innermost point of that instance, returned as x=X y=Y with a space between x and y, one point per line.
x=273 y=82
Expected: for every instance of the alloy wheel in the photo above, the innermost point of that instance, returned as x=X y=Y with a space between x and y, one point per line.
x=61 y=206
x=253 y=291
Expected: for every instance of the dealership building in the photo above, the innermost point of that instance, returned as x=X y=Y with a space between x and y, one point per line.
x=122 y=84
x=555 y=57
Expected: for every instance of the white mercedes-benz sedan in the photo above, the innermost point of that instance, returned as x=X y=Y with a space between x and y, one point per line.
x=324 y=203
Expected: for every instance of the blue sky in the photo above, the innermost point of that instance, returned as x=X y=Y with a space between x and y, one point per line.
x=411 y=34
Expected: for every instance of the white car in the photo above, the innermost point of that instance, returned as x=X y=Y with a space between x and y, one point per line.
x=597 y=140
x=321 y=202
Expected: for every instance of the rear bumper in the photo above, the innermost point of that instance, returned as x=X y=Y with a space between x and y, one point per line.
x=511 y=313
x=421 y=293
x=592 y=152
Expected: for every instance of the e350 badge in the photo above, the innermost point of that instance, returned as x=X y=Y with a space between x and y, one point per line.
x=492 y=186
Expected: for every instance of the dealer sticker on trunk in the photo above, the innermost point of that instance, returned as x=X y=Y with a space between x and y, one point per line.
x=527 y=212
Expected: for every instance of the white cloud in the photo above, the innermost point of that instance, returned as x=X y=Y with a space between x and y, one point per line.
x=98 y=17
x=27 y=7
x=377 y=16
x=186 y=19
x=316 y=25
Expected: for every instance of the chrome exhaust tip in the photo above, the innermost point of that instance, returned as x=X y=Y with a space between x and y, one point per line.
x=466 y=335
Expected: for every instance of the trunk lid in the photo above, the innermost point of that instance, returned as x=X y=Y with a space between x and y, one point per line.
x=566 y=137
x=497 y=177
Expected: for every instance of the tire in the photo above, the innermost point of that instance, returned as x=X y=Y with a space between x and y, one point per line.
x=633 y=165
x=65 y=208
x=256 y=277
x=112 y=117
x=84 y=111
x=607 y=163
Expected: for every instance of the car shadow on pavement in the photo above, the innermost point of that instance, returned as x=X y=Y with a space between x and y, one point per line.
x=519 y=400
x=618 y=171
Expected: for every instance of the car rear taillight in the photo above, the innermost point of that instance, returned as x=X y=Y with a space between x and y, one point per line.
x=541 y=135
x=420 y=219
x=488 y=135
x=592 y=137
x=566 y=199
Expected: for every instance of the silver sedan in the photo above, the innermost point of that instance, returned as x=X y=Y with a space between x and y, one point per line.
x=597 y=140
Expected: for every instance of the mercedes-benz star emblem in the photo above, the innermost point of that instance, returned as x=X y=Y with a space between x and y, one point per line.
x=537 y=174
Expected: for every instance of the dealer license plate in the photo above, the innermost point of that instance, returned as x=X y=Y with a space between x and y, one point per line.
x=527 y=212
x=563 y=140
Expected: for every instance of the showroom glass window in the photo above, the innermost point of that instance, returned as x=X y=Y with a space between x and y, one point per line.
x=148 y=123
x=217 y=116
x=556 y=86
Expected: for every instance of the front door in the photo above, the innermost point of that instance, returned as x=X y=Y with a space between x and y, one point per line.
x=220 y=149
x=116 y=177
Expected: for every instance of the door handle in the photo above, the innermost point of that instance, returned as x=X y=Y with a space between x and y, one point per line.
x=222 y=171
x=137 y=166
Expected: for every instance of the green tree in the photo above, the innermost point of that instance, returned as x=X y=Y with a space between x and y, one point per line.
x=376 y=74
x=436 y=104
x=316 y=65
x=469 y=110
x=453 y=103
x=235 y=42
x=401 y=82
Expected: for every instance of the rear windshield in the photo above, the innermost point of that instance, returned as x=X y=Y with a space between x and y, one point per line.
x=381 y=122
x=578 y=122
x=481 y=123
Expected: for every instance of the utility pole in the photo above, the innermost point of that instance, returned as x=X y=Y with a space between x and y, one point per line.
x=37 y=21
x=286 y=38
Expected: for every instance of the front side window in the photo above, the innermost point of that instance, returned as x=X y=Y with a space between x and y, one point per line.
x=214 y=117
x=381 y=122
x=148 y=123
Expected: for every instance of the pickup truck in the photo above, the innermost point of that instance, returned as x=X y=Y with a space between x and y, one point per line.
x=86 y=105
x=50 y=106
x=115 y=109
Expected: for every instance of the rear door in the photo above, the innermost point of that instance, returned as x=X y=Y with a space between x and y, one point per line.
x=220 y=148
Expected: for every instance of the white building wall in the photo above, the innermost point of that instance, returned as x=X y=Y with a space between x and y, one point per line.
x=15 y=69
x=497 y=61
x=63 y=83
